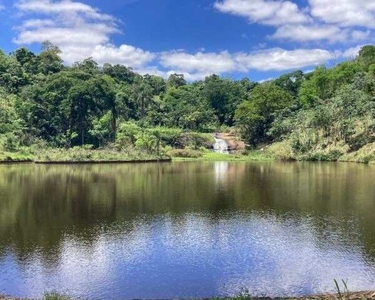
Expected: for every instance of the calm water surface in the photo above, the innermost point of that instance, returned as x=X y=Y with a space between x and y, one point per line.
x=186 y=229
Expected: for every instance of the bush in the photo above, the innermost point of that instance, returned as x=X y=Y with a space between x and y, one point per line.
x=333 y=155
x=194 y=140
x=126 y=134
x=169 y=136
x=9 y=142
x=185 y=153
x=364 y=155
x=55 y=296
x=282 y=150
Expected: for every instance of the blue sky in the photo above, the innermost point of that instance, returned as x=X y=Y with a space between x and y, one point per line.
x=259 y=39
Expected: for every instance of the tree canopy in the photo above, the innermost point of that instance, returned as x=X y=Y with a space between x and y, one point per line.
x=65 y=106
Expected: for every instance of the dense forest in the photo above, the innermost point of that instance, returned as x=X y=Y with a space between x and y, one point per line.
x=327 y=114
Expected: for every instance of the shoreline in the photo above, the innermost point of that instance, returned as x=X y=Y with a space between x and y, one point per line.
x=210 y=158
x=88 y=162
x=104 y=157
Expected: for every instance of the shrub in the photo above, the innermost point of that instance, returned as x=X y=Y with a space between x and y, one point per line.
x=194 y=140
x=185 y=153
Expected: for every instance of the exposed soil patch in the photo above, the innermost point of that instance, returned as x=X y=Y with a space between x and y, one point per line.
x=233 y=141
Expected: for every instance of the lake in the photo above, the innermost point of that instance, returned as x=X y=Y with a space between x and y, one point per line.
x=189 y=229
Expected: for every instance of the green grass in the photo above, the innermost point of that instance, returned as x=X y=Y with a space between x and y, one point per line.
x=365 y=155
x=55 y=296
x=15 y=157
x=212 y=156
x=79 y=154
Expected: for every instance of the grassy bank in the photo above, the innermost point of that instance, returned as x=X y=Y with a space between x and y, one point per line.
x=79 y=155
x=15 y=157
x=339 y=152
x=275 y=152
x=212 y=156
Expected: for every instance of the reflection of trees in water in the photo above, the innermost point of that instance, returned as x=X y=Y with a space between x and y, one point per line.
x=41 y=204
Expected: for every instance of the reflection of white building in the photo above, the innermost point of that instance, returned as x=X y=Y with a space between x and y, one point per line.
x=221 y=171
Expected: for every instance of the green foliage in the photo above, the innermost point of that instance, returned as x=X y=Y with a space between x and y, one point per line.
x=324 y=83
x=255 y=116
x=224 y=95
x=102 y=129
x=291 y=82
x=367 y=56
x=55 y=296
x=194 y=140
x=327 y=114
x=155 y=139
x=186 y=108
x=176 y=81
x=127 y=134
x=185 y=153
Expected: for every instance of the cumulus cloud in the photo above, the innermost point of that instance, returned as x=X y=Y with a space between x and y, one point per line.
x=82 y=31
x=37 y=23
x=264 y=12
x=335 y=21
x=352 y=52
x=199 y=65
x=345 y=13
x=207 y=63
x=79 y=30
x=280 y=60
x=61 y=7
x=302 y=33
x=125 y=54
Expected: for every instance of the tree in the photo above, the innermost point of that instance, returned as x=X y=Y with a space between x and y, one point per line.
x=255 y=116
x=49 y=58
x=9 y=119
x=224 y=96
x=367 y=56
x=157 y=84
x=120 y=73
x=142 y=95
x=28 y=60
x=12 y=75
x=176 y=80
x=186 y=108
x=291 y=82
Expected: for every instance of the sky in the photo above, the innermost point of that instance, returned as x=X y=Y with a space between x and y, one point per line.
x=258 y=39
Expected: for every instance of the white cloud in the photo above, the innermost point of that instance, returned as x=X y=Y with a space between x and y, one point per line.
x=61 y=7
x=2 y=7
x=37 y=23
x=302 y=33
x=280 y=60
x=352 y=52
x=85 y=34
x=311 y=33
x=345 y=13
x=199 y=65
x=268 y=12
x=125 y=54
x=153 y=70
x=335 y=21
x=79 y=30
x=82 y=31
x=359 y=35
x=207 y=63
